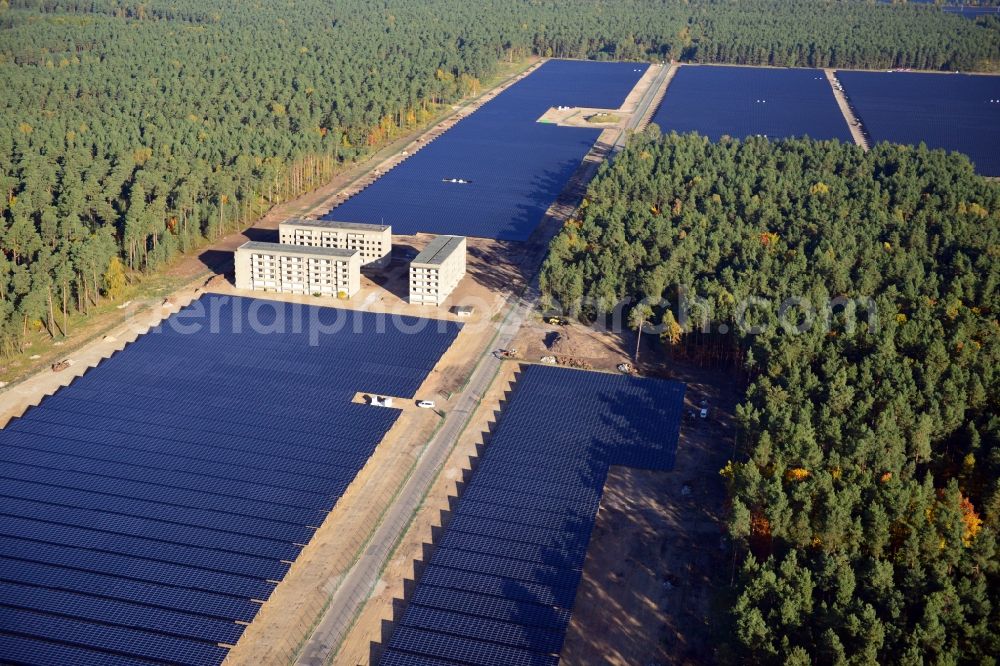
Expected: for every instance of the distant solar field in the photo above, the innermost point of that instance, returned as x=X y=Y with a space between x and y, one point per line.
x=750 y=101
x=972 y=12
x=515 y=166
x=144 y=507
x=966 y=11
x=501 y=585
x=951 y=111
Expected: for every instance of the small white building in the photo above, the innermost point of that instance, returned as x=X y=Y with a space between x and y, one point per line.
x=437 y=270
x=374 y=241
x=290 y=269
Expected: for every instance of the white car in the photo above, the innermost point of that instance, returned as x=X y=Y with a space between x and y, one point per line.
x=426 y=404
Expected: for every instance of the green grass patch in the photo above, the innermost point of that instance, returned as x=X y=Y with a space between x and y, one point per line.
x=603 y=118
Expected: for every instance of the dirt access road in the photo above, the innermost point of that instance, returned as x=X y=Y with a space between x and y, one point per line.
x=853 y=122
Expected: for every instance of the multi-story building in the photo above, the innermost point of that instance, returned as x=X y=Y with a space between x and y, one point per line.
x=374 y=241
x=436 y=271
x=326 y=271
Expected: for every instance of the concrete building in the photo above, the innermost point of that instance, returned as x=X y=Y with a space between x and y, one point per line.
x=290 y=269
x=374 y=241
x=436 y=271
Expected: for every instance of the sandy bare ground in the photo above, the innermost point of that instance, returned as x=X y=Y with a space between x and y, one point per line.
x=573 y=344
x=853 y=123
x=658 y=560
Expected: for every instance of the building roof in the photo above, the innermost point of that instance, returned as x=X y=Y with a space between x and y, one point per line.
x=438 y=250
x=334 y=224
x=298 y=250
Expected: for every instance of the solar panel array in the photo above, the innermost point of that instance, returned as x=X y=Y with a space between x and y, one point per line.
x=750 y=101
x=950 y=111
x=516 y=166
x=966 y=11
x=501 y=585
x=147 y=508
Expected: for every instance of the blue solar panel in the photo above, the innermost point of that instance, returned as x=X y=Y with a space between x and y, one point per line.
x=96 y=482
x=21 y=650
x=57 y=569
x=951 y=111
x=393 y=658
x=499 y=586
x=555 y=555
x=478 y=628
x=290 y=532
x=138 y=616
x=119 y=639
x=473 y=604
x=466 y=650
x=150 y=505
x=748 y=101
x=564 y=519
x=516 y=167
x=506 y=570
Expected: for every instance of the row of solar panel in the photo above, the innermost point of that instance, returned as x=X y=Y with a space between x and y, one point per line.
x=131 y=579
x=119 y=639
x=96 y=609
x=276 y=325
x=55 y=442
x=149 y=506
x=246 y=419
x=305 y=367
x=515 y=165
x=312 y=449
x=170 y=478
x=342 y=451
x=101 y=501
x=203 y=499
x=313 y=399
x=254 y=455
x=131 y=526
x=564 y=551
x=368 y=421
x=309 y=371
x=500 y=586
x=404 y=383
x=208 y=560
